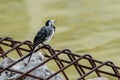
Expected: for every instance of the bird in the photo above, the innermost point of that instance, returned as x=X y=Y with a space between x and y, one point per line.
x=43 y=36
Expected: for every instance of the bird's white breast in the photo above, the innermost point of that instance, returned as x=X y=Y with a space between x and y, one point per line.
x=51 y=33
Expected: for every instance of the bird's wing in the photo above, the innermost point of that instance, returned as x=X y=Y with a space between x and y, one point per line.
x=40 y=37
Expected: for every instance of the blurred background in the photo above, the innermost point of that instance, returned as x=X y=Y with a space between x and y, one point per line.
x=83 y=26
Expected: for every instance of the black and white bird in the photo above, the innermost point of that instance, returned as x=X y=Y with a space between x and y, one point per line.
x=44 y=35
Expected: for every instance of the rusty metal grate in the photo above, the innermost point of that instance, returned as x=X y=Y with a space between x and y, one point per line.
x=82 y=65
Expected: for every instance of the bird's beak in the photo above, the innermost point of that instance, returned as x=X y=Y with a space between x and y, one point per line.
x=55 y=22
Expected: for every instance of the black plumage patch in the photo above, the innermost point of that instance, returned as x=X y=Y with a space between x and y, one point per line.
x=40 y=37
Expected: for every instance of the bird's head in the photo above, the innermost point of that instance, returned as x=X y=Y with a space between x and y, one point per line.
x=50 y=23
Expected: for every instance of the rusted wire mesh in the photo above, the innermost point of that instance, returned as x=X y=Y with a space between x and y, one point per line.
x=82 y=66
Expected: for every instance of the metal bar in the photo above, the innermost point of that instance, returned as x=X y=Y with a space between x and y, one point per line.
x=115 y=70
x=27 y=43
x=1 y=52
x=94 y=69
x=86 y=67
x=92 y=62
x=59 y=63
x=19 y=72
x=55 y=56
x=15 y=62
x=66 y=67
x=2 y=39
x=41 y=64
x=78 y=68
x=13 y=48
x=18 y=50
x=9 y=39
x=100 y=62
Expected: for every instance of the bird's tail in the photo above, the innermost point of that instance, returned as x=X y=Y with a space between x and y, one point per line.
x=33 y=50
x=30 y=57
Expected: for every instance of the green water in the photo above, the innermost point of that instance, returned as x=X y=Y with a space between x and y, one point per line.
x=83 y=26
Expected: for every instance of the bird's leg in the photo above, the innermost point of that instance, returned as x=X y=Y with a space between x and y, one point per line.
x=43 y=51
x=29 y=57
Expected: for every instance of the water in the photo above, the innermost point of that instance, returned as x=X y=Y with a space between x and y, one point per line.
x=83 y=26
